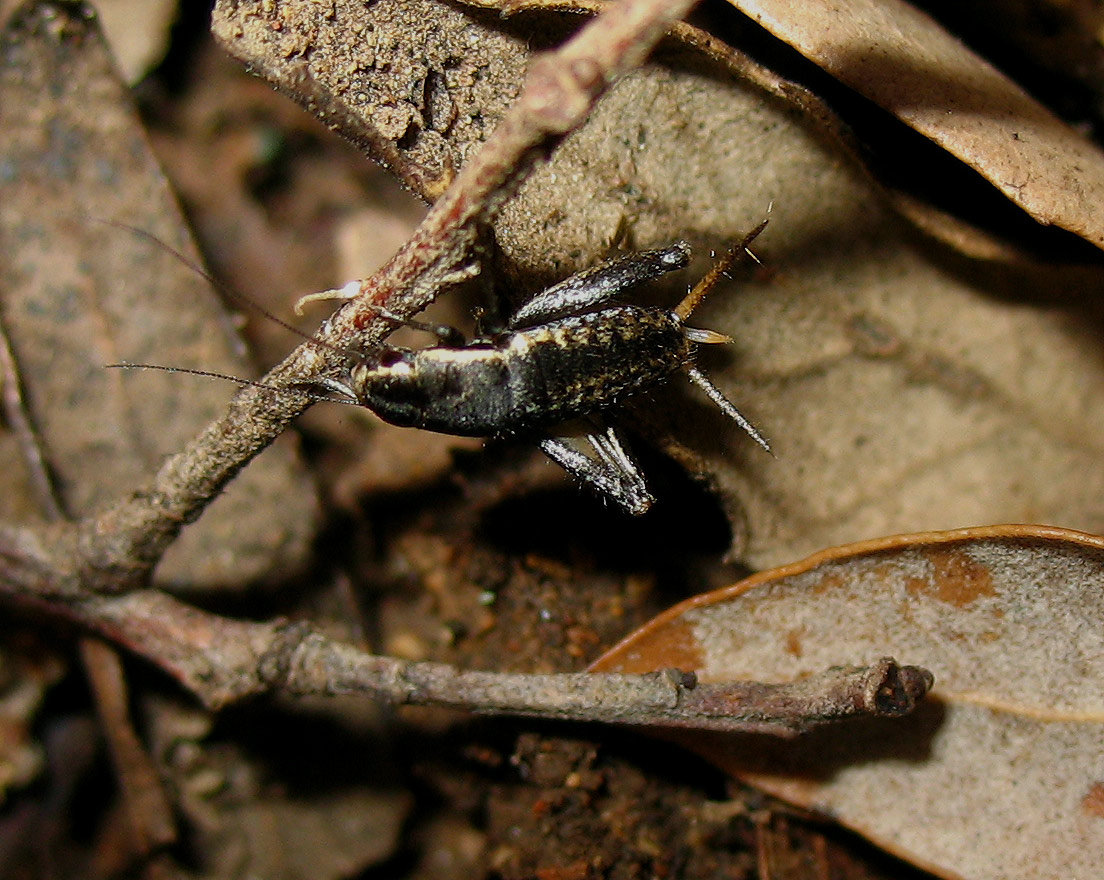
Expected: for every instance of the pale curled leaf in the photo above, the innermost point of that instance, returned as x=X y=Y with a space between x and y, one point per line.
x=1001 y=773
x=933 y=84
x=899 y=395
x=905 y=62
x=138 y=32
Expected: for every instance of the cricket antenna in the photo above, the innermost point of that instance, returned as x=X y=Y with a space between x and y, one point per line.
x=240 y=298
x=210 y=374
x=703 y=288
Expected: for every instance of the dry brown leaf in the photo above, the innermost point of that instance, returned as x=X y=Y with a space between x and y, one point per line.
x=79 y=294
x=987 y=231
x=1001 y=773
x=417 y=83
x=138 y=31
x=900 y=392
x=904 y=61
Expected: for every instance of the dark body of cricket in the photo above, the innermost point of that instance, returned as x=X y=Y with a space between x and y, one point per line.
x=565 y=355
x=533 y=378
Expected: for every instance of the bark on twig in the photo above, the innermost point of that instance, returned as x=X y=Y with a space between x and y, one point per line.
x=223 y=661
x=668 y=698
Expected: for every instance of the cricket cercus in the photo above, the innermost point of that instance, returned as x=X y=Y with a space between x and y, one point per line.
x=563 y=360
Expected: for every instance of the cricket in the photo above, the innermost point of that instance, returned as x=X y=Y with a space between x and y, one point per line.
x=557 y=370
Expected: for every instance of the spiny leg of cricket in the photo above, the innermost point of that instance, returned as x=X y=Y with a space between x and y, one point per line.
x=562 y=360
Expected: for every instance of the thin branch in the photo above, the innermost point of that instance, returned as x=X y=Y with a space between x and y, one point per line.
x=223 y=661
x=150 y=813
x=668 y=698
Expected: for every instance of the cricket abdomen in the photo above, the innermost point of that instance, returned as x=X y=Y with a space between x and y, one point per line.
x=584 y=363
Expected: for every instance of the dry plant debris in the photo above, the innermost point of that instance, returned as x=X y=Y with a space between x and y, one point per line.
x=904 y=387
x=78 y=295
x=1005 y=764
x=905 y=62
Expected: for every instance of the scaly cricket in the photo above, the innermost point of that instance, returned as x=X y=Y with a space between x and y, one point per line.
x=558 y=367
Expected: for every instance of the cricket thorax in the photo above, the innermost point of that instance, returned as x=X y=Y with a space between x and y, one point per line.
x=447 y=390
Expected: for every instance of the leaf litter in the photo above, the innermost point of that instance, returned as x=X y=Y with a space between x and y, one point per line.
x=832 y=235
x=958 y=392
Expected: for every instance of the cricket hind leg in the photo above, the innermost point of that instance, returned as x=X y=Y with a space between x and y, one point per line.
x=591 y=287
x=611 y=471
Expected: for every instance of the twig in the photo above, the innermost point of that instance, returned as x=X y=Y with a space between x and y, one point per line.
x=223 y=661
x=150 y=814
x=669 y=698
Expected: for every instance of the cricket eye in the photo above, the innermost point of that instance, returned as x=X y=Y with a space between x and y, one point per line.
x=390 y=357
